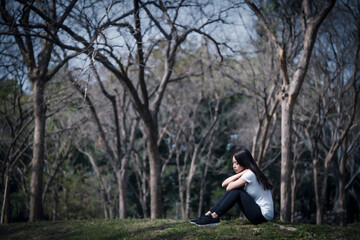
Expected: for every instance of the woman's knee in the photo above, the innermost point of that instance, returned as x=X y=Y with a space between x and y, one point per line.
x=237 y=190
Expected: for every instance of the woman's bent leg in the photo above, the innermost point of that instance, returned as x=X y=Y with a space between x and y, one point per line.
x=217 y=204
x=247 y=204
x=227 y=202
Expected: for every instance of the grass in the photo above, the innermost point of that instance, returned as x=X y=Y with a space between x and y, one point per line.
x=172 y=229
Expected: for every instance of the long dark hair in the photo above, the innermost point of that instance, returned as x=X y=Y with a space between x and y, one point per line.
x=245 y=159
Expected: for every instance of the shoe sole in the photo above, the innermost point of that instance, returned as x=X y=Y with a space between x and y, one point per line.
x=210 y=224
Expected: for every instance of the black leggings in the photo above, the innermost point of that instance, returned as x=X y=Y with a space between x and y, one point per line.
x=246 y=203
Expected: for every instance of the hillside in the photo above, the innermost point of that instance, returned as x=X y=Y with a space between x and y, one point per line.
x=172 y=229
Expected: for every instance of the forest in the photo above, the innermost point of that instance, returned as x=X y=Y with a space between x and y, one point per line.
x=113 y=109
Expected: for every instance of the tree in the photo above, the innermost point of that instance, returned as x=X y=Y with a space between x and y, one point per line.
x=331 y=125
x=23 y=20
x=190 y=145
x=116 y=132
x=311 y=18
x=59 y=149
x=164 y=26
x=140 y=166
x=16 y=129
x=257 y=78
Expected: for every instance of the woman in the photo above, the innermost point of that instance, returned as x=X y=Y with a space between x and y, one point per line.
x=249 y=188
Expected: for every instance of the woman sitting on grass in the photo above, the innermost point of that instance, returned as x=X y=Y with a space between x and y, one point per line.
x=249 y=188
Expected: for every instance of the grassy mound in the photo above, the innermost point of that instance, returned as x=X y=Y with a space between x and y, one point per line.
x=172 y=229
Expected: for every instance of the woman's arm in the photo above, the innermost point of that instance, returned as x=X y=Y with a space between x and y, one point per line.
x=232 y=178
x=236 y=184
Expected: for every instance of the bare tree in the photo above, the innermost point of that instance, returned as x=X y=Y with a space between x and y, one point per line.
x=116 y=131
x=257 y=78
x=352 y=185
x=324 y=134
x=311 y=19
x=58 y=150
x=298 y=150
x=352 y=141
x=16 y=123
x=190 y=131
x=171 y=31
x=34 y=35
x=140 y=167
x=332 y=126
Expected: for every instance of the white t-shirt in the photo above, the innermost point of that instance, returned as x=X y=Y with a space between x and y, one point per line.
x=262 y=197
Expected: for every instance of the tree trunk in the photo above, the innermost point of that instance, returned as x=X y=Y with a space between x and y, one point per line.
x=66 y=202
x=293 y=191
x=286 y=130
x=256 y=137
x=194 y=157
x=188 y=193
x=122 y=185
x=143 y=198
x=202 y=186
x=155 y=170
x=182 y=200
x=37 y=163
x=342 y=199
x=263 y=138
x=142 y=179
x=104 y=191
x=316 y=191
x=56 y=202
x=5 y=209
x=106 y=212
x=324 y=186
x=181 y=172
x=189 y=180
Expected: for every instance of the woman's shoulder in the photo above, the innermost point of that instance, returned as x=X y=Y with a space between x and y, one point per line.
x=248 y=174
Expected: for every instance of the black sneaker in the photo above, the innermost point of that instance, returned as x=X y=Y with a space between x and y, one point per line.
x=208 y=221
x=194 y=221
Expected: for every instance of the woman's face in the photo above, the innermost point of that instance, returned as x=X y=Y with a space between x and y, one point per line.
x=237 y=167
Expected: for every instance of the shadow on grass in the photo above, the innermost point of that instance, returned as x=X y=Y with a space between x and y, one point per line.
x=175 y=230
x=81 y=235
x=6 y=230
x=40 y=230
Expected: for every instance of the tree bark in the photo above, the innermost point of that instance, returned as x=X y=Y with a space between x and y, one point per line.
x=5 y=209
x=201 y=192
x=37 y=163
x=143 y=197
x=203 y=179
x=189 y=181
x=268 y=116
x=122 y=186
x=155 y=170
x=285 y=190
x=342 y=172
x=293 y=192
x=56 y=202
x=316 y=190
x=142 y=179
x=182 y=199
